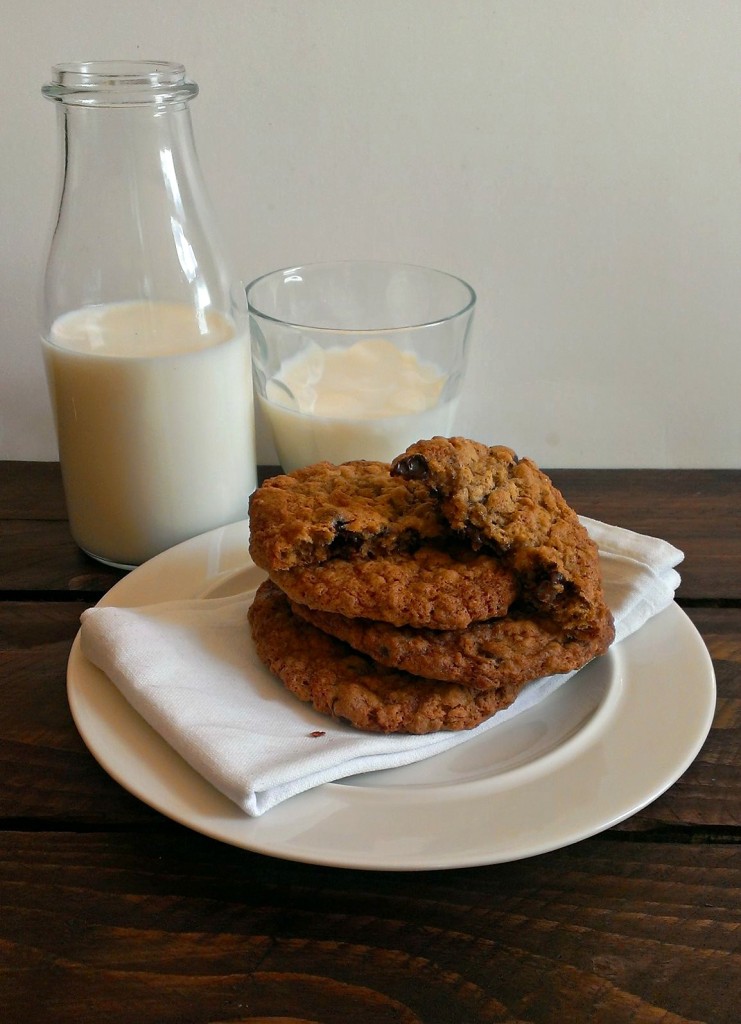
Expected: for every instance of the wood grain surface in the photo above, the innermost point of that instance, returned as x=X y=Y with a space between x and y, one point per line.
x=110 y=912
x=164 y=925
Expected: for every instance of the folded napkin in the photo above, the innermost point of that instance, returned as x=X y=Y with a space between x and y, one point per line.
x=190 y=669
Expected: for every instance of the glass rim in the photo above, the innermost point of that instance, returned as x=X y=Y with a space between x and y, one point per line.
x=111 y=82
x=460 y=311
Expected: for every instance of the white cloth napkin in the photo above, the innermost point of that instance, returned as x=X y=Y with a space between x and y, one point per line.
x=190 y=669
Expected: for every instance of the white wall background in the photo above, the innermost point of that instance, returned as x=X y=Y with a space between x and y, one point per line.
x=578 y=161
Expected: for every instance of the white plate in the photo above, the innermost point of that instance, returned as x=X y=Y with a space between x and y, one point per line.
x=595 y=752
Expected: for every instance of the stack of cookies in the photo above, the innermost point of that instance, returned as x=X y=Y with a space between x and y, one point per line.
x=422 y=595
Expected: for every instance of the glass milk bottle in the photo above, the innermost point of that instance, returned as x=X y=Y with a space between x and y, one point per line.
x=145 y=335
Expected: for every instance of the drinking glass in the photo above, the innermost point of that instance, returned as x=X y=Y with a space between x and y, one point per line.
x=358 y=359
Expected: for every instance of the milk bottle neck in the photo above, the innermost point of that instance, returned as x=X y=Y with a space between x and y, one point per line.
x=134 y=221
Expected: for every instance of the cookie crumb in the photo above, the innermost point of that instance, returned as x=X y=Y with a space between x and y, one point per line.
x=317 y=732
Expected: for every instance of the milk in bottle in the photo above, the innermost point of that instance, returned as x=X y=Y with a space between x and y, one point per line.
x=155 y=437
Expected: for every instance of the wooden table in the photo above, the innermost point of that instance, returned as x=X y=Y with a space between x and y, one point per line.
x=111 y=912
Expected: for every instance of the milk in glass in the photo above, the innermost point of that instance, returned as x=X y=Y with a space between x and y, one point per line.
x=369 y=400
